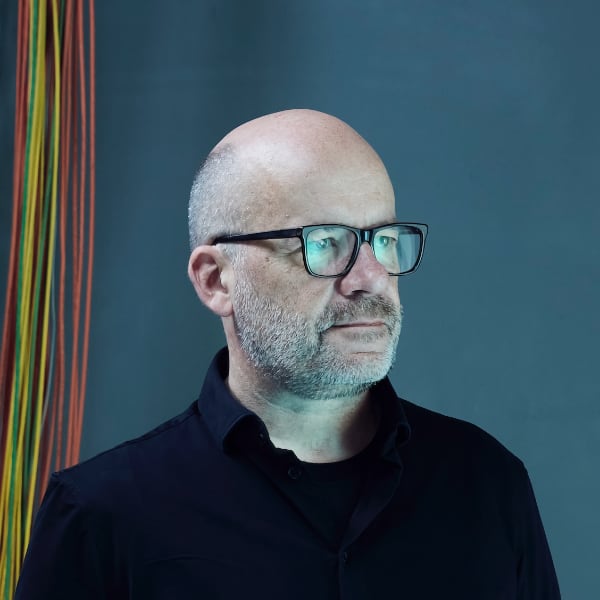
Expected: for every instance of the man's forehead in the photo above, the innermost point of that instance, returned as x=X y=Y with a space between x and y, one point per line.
x=310 y=197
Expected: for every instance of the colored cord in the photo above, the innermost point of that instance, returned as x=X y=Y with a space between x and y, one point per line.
x=53 y=193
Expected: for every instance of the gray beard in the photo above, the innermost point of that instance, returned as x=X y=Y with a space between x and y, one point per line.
x=291 y=353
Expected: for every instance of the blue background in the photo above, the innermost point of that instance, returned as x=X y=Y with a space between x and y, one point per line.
x=487 y=116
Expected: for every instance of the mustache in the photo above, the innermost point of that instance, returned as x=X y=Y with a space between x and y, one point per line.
x=364 y=308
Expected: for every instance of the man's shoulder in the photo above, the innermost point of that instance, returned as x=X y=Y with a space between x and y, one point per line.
x=437 y=433
x=134 y=462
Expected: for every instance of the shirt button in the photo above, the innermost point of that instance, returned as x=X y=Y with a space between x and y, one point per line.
x=294 y=472
x=345 y=556
x=262 y=438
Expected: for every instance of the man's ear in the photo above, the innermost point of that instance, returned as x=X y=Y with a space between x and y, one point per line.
x=210 y=271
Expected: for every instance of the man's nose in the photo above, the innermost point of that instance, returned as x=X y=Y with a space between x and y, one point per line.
x=367 y=274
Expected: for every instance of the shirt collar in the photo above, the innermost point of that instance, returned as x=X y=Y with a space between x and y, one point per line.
x=394 y=429
x=231 y=424
x=222 y=413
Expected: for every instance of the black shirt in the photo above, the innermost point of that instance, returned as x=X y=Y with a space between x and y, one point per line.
x=205 y=506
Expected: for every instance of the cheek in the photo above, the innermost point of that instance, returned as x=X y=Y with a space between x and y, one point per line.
x=293 y=290
x=394 y=291
x=302 y=298
x=288 y=285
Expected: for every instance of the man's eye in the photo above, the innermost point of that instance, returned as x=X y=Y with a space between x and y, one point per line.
x=323 y=244
x=385 y=240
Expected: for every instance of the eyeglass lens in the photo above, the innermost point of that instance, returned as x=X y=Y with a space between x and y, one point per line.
x=329 y=250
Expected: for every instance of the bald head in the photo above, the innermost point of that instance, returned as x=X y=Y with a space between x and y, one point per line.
x=292 y=139
x=256 y=176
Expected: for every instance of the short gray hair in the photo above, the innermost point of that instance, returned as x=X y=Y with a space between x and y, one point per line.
x=213 y=208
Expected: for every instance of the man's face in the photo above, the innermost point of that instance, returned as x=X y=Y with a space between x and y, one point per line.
x=310 y=336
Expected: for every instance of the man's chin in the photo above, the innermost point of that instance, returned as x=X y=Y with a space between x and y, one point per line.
x=361 y=365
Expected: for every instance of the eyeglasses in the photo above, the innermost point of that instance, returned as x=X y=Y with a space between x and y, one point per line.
x=331 y=250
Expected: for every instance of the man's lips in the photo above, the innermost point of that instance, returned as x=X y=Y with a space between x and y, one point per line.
x=359 y=324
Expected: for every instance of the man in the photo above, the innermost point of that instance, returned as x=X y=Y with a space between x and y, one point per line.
x=298 y=473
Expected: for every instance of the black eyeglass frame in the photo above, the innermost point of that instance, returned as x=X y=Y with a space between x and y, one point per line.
x=362 y=235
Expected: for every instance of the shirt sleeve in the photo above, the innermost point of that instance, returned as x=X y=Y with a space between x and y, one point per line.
x=62 y=559
x=536 y=575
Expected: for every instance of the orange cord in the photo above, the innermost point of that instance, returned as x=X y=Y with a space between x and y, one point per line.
x=91 y=224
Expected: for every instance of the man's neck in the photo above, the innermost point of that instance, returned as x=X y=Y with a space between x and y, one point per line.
x=317 y=430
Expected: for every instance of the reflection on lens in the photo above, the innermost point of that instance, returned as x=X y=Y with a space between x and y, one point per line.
x=397 y=248
x=329 y=249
